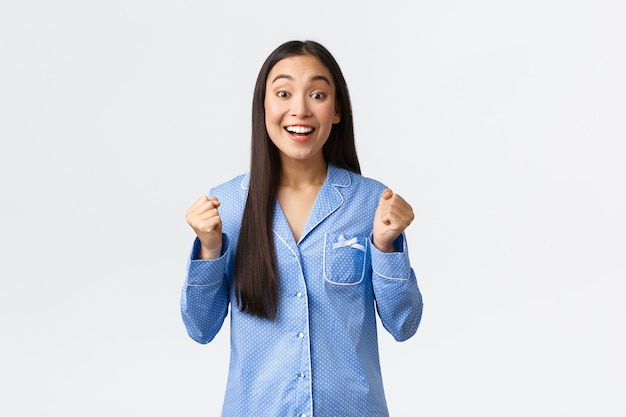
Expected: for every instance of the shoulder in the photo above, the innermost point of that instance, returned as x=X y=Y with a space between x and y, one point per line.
x=232 y=195
x=369 y=183
x=353 y=182
x=235 y=186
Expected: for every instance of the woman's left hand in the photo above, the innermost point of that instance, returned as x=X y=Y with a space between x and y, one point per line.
x=393 y=215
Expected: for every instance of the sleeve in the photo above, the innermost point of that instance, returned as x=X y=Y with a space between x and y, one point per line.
x=205 y=294
x=398 y=298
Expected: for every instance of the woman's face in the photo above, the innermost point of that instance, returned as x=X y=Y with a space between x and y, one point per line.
x=300 y=107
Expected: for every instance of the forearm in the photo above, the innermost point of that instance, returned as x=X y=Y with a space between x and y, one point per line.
x=205 y=296
x=398 y=298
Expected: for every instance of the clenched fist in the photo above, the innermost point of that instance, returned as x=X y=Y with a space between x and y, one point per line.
x=393 y=215
x=204 y=219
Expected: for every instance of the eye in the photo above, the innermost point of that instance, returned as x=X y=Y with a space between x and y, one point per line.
x=282 y=94
x=318 y=96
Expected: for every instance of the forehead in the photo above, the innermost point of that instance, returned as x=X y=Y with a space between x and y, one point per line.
x=299 y=68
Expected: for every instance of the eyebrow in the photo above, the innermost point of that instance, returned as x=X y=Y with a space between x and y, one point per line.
x=313 y=78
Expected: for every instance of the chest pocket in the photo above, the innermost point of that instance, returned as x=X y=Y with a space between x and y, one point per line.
x=344 y=258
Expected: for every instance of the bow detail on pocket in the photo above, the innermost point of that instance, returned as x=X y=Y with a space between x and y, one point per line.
x=342 y=242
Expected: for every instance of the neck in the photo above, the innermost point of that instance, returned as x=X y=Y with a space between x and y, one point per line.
x=303 y=173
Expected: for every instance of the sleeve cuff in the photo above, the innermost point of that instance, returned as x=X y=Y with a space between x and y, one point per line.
x=393 y=265
x=202 y=272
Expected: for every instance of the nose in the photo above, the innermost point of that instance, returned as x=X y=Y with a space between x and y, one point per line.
x=300 y=106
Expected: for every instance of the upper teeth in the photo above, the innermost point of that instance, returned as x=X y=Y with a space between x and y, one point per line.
x=299 y=129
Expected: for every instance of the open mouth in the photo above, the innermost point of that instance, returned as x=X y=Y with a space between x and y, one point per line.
x=300 y=131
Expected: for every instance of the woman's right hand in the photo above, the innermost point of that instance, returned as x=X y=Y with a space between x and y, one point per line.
x=205 y=220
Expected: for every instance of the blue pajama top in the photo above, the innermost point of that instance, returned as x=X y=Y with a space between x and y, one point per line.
x=319 y=357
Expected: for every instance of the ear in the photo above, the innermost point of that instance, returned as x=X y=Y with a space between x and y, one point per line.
x=337 y=117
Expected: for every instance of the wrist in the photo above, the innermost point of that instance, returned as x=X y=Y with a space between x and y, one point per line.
x=387 y=248
x=209 y=254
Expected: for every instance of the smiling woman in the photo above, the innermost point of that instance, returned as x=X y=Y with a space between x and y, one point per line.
x=300 y=108
x=306 y=250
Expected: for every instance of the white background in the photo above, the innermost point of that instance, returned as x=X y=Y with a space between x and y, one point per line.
x=502 y=122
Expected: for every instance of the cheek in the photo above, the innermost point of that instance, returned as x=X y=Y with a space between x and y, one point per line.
x=273 y=111
x=329 y=113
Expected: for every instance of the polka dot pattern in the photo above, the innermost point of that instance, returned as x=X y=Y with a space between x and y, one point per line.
x=319 y=357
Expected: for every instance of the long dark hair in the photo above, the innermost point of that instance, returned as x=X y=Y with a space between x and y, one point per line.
x=256 y=276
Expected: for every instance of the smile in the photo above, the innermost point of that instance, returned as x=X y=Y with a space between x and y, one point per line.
x=299 y=130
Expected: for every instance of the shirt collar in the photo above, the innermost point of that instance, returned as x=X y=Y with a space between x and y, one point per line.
x=336 y=176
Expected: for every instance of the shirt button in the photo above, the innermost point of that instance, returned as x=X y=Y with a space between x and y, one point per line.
x=299 y=294
x=301 y=375
x=303 y=415
x=300 y=335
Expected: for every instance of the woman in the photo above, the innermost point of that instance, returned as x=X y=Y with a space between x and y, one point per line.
x=305 y=250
